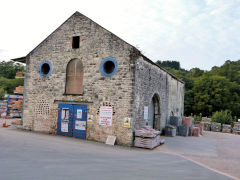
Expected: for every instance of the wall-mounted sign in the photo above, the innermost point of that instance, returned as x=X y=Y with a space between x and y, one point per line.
x=145 y=112
x=127 y=122
x=64 y=126
x=80 y=125
x=105 y=117
x=90 y=119
x=79 y=113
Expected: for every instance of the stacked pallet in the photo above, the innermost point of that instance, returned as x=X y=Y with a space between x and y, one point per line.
x=147 y=137
x=19 y=90
x=236 y=128
x=216 y=127
x=226 y=128
x=19 y=75
x=14 y=108
x=3 y=107
x=183 y=130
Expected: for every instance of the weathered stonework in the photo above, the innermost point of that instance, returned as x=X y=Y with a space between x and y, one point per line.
x=128 y=91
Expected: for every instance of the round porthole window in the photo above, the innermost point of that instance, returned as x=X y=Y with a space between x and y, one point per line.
x=45 y=68
x=108 y=67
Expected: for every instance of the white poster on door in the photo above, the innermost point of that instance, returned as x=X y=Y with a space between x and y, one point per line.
x=145 y=112
x=80 y=125
x=79 y=113
x=105 y=117
x=65 y=113
x=64 y=126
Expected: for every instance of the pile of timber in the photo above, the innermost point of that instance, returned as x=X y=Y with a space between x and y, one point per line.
x=226 y=128
x=147 y=137
x=236 y=128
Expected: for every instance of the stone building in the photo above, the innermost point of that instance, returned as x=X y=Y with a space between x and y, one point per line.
x=86 y=82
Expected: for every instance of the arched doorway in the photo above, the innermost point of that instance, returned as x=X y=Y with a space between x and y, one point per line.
x=154 y=113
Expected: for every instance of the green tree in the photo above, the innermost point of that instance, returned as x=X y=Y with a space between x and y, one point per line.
x=9 y=69
x=211 y=93
x=223 y=117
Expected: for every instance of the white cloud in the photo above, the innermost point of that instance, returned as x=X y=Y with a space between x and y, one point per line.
x=200 y=33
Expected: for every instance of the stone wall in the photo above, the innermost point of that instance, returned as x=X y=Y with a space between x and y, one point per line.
x=43 y=93
x=150 y=80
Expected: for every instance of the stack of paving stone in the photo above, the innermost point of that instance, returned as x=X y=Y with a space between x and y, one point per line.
x=196 y=131
x=207 y=123
x=200 y=126
x=147 y=137
x=216 y=127
x=170 y=130
x=236 y=128
x=226 y=128
x=183 y=130
x=188 y=121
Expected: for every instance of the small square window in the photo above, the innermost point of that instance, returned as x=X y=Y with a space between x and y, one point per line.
x=75 y=42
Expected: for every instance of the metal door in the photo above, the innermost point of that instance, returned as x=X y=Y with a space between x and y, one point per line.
x=79 y=121
x=151 y=115
x=65 y=123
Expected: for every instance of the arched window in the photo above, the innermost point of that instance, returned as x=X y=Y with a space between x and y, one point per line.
x=74 y=81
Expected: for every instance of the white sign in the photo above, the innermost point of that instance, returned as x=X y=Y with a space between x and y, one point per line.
x=145 y=112
x=64 y=126
x=79 y=113
x=80 y=125
x=105 y=117
x=65 y=113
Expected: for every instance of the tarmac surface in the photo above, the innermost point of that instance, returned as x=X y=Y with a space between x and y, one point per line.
x=214 y=150
x=26 y=155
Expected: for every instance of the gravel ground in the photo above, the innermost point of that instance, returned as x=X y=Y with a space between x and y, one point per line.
x=214 y=150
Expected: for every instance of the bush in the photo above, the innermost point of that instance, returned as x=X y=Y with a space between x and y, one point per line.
x=223 y=117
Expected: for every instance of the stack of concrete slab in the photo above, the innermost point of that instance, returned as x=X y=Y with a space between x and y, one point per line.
x=236 y=128
x=147 y=137
x=226 y=128
x=216 y=127
x=170 y=130
x=183 y=130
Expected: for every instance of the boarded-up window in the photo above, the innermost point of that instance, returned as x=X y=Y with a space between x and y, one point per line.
x=74 y=83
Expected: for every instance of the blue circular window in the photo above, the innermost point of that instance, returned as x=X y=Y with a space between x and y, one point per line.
x=45 y=68
x=108 y=67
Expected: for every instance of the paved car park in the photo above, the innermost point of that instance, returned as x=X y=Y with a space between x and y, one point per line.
x=28 y=155
x=214 y=150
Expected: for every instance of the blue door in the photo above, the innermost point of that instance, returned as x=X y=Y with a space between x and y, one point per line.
x=79 y=121
x=65 y=123
x=72 y=120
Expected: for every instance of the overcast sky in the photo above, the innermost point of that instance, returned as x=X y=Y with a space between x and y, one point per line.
x=198 y=33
